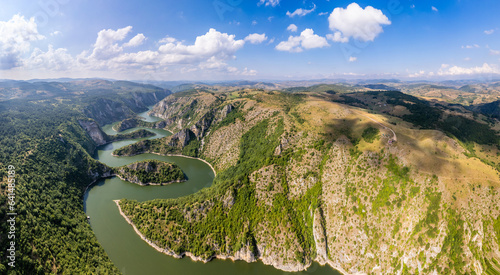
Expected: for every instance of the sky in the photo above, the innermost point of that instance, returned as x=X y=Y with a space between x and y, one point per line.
x=249 y=39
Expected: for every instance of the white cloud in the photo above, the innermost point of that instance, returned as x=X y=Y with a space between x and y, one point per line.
x=167 y=39
x=270 y=18
x=272 y=3
x=300 y=12
x=417 y=74
x=337 y=37
x=208 y=54
x=213 y=44
x=254 y=22
x=434 y=9
x=246 y=71
x=455 y=70
x=135 y=41
x=356 y=22
x=467 y=59
x=105 y=46
x=352 y=59
x=306 y=40
x=54 y=33
x=256 y=38
x=54 y=60
x=488 y=32
x=292 y=28
x=16 y=36
x=494 y=52
x=322 y=13
x=470 y=46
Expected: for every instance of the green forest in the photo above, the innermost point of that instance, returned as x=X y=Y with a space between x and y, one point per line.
x=51 y=154
x=152 y=171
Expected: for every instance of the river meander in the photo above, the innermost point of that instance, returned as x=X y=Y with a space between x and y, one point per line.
x=125 y=248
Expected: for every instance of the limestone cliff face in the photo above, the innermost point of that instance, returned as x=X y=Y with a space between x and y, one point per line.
x=181 y=112
x=126 y=124
x=181 y=138
x=94 y=131
x=105 y=111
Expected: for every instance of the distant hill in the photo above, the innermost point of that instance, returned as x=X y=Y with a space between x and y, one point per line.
x=46 y=89
x=490 y=109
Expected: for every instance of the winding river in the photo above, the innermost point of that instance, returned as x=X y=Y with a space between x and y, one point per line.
x=124 y=247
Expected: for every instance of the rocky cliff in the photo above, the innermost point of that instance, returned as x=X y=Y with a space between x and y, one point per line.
x=130 y=123
x=94 y=131
x=105 y=111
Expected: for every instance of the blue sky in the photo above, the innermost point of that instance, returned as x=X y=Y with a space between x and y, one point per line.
x=251 y=39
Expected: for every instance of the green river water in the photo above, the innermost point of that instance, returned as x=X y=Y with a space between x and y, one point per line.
x=125 y=248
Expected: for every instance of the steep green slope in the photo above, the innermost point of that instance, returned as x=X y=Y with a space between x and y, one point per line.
x=53 y=168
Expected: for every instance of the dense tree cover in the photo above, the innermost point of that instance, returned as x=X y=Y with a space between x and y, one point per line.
x=145 y=146
x=152 y=171
x=429 y=117
x=370 y=134
x=49 y=150
x=141 y=133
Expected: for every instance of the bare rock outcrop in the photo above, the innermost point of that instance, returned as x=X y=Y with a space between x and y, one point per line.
x=94 y=131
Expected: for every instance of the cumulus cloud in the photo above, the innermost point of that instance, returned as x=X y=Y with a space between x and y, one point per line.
x=135 y=41
x=455 y=70
x=212 y=44
x=337 y=37
x=417 y=74
x=54 y=33
x=167 y=39
x=105 y=46
x=272 y=3
x=209 y=52
x=292 y=28
x=306 y=40
x=300 y=12
x=256 y=38
x=53 y=59
x=247 y=72
x=362 y=24
x=434 y=9
x=488 y=32
x=352 y=59
x=16 y=36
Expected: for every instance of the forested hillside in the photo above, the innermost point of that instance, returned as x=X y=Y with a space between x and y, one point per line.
x=51 y=153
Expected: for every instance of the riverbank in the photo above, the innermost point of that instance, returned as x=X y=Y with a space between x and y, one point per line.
x=241 y=255
x=106 y=175
x=150 y=183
